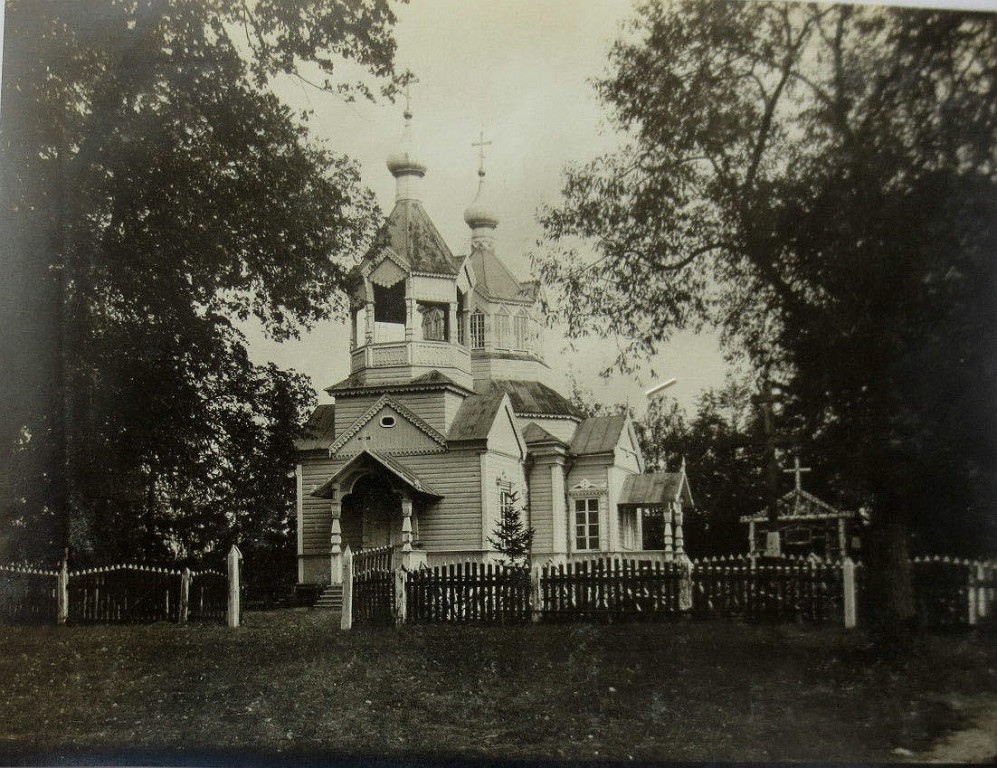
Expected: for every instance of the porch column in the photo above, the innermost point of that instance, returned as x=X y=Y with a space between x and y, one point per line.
x=336 y=541
x=409 y=318
x=406 y=532
x=639 y=544
x=452 y=323
x=751 y=538
x=370 y=322
x=679 y=538
x=666 y=514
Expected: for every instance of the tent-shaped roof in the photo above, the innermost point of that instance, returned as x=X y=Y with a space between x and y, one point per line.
x=375 y=459
x=494 y=279
x=411 y=235
x=319 y=431
x=597 y=434
x=655 y=489
x=528 y=398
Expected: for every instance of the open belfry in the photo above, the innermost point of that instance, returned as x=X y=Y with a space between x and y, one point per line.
x=448 y=415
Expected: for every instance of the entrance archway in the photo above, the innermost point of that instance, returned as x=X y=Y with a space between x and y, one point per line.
x=376 y=510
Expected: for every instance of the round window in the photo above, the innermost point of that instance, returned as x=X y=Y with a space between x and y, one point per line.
x=387 y=421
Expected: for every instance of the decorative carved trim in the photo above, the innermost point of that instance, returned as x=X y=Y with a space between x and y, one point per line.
x=370 y=413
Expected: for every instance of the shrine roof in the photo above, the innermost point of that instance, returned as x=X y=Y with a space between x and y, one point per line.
x=529 y=398
x=798 y=504
x=319 y=431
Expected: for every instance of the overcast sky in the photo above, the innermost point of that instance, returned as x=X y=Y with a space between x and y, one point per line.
x=520 y=70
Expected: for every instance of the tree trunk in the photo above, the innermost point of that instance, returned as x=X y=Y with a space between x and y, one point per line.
x=890 y=593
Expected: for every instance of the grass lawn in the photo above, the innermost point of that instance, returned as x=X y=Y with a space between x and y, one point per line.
x=289 y=682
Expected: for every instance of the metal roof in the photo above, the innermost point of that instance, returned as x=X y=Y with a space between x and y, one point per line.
x=494 y=279
x=319 y=431
x=534 y=434
x=655 y=488
x=432 y=379
x=597 y=434
x=528 y=397
x=475 y=417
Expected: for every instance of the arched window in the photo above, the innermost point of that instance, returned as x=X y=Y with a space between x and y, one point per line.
x=477 y=329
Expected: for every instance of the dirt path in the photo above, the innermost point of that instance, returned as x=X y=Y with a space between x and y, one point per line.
x=975 y=744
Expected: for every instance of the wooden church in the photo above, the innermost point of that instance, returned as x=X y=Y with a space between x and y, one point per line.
x=447 y=416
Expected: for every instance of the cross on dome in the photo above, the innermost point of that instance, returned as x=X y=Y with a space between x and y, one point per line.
x=481 y=144
x=797 y=470
x=407 y=90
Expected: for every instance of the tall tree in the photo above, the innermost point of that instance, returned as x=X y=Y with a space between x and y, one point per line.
x=157 y=194
x=818 y=182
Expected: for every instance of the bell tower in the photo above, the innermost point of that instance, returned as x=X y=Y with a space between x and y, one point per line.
x=409 y=294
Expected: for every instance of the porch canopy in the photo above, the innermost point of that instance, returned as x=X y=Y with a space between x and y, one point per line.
x=655 y=489
x=366 y=461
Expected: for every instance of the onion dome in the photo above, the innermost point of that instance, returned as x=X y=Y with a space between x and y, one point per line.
x=403 y=160
x=481 y=213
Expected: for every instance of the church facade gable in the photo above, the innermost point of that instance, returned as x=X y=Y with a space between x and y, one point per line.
x=390 y=427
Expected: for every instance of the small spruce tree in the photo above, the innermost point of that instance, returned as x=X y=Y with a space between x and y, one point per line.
x=512 y=537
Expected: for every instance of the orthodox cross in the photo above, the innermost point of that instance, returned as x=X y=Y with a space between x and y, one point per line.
x=407 y=90
x=481 y=144
x=797 y=470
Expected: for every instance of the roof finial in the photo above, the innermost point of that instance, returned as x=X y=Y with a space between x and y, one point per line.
x=480 y=215
x=410 y=80
x=481 y=144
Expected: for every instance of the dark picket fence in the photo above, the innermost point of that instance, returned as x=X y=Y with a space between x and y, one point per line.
x=124 y=594
x=27 y=595
x=374 y=598
x=208 y=596
x=468 y=592
x=609 y=590
x=944 y=589
x=802 y=590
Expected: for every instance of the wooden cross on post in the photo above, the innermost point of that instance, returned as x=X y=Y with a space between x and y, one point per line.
x=797 y=470
x=481 y=144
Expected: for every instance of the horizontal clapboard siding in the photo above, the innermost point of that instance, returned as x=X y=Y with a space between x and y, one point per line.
x=541 y=508
x=454 y=522
x=501 y=468
x=431 y=407
x=316 y=516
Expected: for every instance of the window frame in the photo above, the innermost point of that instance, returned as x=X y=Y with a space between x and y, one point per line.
x=477 y=333
x=587 y=541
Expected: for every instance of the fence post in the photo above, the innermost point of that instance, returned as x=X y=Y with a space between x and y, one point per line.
x=346 y=620
x=536 y=594
x=400 y=607
x=62 y=593
x=184 y=596
x=685 y=583
x=848 y=583
x=232 y=615
x=971 y=596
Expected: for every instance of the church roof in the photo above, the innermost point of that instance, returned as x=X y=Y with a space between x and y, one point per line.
x=411 y=235
x=655 y=488
x=319 y=431
x=597 y=434
x=534 y=434
x=528 y=398
x=357 y=380
x=495 y=280
x=475 y=417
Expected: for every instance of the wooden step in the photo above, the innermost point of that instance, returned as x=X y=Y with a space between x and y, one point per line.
x=330 y=598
